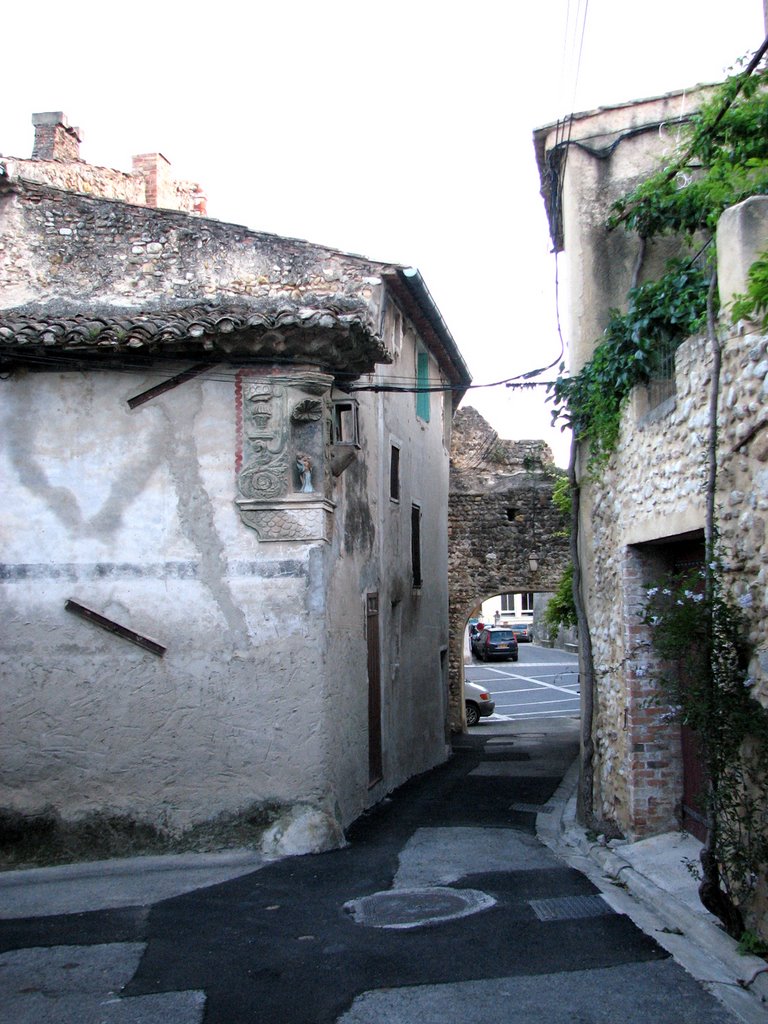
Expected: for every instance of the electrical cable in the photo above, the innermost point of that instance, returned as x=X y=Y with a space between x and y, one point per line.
x=223 y=375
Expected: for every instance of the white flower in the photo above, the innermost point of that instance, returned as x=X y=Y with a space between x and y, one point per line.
x=749 y=682
x=745 y=601
x=666 y=591
x=697 y=597
x=652 y=592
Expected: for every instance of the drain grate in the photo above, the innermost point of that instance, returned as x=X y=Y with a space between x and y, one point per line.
x=570 y=908
x=411 y=908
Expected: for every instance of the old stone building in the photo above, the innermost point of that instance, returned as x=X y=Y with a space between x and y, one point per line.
x=217 y=586
x=645 y=513
x=505 y=533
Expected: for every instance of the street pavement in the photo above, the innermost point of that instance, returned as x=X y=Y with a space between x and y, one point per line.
x=444 y=907
x=542 y=683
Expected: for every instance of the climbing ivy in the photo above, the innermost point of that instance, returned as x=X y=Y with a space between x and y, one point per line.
x=561 y=608
x=753 y=305
x=660 y=316
x=722 y=158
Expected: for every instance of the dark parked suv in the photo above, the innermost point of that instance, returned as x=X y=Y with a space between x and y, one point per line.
x=495 y=642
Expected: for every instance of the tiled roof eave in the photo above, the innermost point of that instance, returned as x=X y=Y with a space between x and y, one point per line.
x=337 y=335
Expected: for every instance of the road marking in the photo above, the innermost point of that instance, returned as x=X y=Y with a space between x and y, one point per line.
x=538 y=703
x=531 y=679
x=528 y=689
x=544 y=714
x=555 y=665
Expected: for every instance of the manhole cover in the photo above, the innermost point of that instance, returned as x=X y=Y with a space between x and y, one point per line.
x=411 y=908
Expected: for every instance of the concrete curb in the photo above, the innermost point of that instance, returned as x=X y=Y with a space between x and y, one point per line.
x=561 y=832
x=131 y=866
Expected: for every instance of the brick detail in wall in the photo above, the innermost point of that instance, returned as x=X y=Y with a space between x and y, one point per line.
x=54 y=138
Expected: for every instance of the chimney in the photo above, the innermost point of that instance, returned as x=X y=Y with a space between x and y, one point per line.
x=54 y=139
x=156 y=172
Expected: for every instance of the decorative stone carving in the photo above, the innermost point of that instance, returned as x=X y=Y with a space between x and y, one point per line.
x=263 y=481
x=284 y=476
x=289 y=520
x=307 y=411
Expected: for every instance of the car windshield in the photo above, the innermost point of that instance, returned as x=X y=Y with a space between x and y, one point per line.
x=501 y=634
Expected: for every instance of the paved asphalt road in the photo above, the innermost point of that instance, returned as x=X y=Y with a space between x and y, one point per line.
x=541 y=683
x=279 y=945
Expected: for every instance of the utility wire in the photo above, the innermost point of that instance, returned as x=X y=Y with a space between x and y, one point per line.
x=222 y=374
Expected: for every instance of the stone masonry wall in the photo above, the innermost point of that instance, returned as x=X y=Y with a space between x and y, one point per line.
x=114 y=253
x=77 y=176
x=654 y=490
x=504 y=532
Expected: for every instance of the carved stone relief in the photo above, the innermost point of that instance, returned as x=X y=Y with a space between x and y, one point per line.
x=283 y=481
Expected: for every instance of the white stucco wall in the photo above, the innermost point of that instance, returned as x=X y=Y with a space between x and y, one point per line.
x=262 y=692
x=184 y=519
x=131 y=514
x=606 y=153
x=371 y=553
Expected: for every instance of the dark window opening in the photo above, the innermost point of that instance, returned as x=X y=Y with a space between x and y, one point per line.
x=394 y=473
x=416 y=544
x=345 y=428
x=512 y=514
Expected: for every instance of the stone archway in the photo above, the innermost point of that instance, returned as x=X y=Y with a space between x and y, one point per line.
x=504 y=532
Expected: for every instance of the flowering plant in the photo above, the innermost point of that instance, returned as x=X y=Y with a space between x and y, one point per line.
x=698 y=634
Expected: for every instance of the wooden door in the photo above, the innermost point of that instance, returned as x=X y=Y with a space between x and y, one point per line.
x=375 y=762
x=688 y=557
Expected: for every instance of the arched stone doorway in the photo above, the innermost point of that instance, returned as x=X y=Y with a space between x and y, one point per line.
x=504 y=532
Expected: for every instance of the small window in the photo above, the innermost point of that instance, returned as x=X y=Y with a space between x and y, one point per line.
x=394 y=472
x=661 y=384
x=345 y=428
x=416 y=544
x=527 y=601
x=422 y=381
x=508 y=602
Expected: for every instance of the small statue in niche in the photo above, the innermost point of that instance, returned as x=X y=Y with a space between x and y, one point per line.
x=304 y=467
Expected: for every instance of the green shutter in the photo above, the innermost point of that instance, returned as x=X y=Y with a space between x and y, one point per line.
x=422 y=381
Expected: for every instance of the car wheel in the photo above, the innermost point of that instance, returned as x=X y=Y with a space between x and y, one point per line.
x=514 y=657
x=473 y=715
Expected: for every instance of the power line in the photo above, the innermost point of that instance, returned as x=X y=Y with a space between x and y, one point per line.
x=224 y=374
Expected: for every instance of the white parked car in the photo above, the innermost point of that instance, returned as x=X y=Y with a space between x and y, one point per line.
x=477 y=702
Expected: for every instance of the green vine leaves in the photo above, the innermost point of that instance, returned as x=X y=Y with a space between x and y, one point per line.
x=722 y=159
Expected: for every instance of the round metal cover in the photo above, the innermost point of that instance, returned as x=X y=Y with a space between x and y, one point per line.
x=412 y=908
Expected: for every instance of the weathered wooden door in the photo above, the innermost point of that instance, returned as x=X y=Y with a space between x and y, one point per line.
x=375 y=763
x=688 y=558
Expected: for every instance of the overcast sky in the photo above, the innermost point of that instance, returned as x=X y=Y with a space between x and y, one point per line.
x=400 y=131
